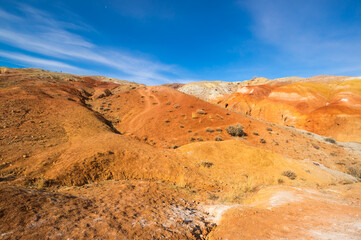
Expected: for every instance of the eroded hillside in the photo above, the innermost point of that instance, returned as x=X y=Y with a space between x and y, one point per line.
x=91 y=157
x=326 y=105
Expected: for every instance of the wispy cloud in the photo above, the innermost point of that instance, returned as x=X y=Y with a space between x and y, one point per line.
x=5 y=16
x=39 y=62
x=309 y=33
x=40 y=33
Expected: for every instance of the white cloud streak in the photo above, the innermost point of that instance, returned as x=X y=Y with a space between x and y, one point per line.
x=38 y=32
x=39 y=62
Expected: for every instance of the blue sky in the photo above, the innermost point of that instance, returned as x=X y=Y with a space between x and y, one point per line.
x=156 y=42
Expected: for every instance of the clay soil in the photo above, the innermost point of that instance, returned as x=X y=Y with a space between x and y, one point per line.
x=88 y=157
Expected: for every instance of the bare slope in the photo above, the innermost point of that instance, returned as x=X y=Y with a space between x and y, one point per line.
x=101 y=156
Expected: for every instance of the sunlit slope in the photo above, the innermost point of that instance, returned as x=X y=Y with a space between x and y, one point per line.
x=330 y=108
x=237 y=168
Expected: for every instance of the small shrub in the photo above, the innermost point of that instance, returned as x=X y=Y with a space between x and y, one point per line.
x=200 y=139
x=176 y=106
x=280 y=181
x=194 y=115
x=219 y=129
x=269 y=129
x=207 y=164
x=330 y=140
x=210 y=130
x=315 y=146
x=219 y=116
x=290 y=174
x=354 y=172
x=167 y=121
x=201 y=112
x=236 y=130
x=262 y=141
x=255 y=133
x=219 y=139
x=192 y=139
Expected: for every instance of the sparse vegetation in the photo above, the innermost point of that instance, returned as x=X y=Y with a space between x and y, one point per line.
x=210 y=130
x=255 y=133
x=219 y=139
x=219 y=116
x=176 y=106
x=207 y=164
x=290 y=174
x=262 y=141
x=236 y=130
x=194 y=115
x=356 y=172
x=330 y=140
x=219 y=129
x=269 y=129
x=201 y=112
x=315 y=146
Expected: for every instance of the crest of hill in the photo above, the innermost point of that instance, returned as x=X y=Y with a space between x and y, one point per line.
x=37 y=72
x=210 y=90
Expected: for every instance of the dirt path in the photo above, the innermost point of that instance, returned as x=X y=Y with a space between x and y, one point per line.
x=151 y=101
